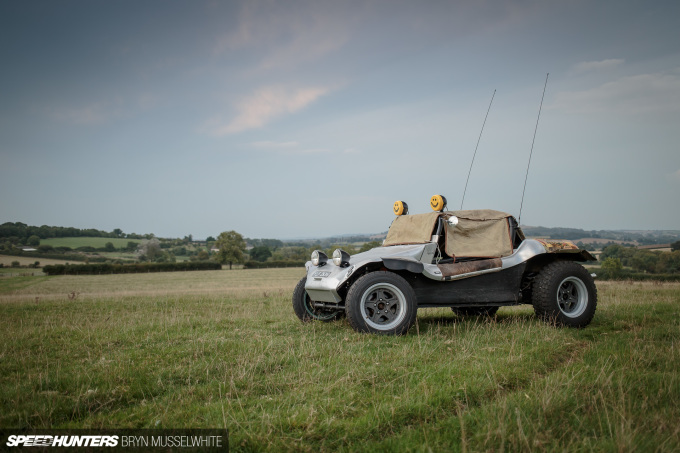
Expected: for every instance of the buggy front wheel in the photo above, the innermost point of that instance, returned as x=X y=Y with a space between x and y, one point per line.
x=381 y=302
x=302 y=305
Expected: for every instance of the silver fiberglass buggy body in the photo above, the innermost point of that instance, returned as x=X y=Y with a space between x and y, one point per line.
x=472 y=261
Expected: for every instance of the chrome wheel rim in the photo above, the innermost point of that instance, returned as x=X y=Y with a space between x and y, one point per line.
x=383 y=306
x=572 y=297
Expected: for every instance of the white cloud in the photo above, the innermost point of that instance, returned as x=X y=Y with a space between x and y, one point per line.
x=264 y=105
x=314 y=151
x=274 y=145
x=590 y=66
x=291 y=147
x=87 y=115
x=644 y=93
x=287 y=36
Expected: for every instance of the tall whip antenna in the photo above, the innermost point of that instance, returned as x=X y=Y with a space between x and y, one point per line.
x=473 y=156
x=519 y=218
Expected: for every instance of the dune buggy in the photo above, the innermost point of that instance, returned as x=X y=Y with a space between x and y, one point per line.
x=473 y=261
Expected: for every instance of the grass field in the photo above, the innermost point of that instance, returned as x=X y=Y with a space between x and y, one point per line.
x=223 y=349
x=76 y=242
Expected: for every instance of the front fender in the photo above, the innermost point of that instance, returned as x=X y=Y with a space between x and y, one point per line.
x=400 y=264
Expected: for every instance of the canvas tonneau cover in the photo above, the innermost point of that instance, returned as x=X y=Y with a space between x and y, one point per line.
x=412 y=229
x=480 y=233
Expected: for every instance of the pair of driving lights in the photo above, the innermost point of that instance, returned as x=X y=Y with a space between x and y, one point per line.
x=340 y=258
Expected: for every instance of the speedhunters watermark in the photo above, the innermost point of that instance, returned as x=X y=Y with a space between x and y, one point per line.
x=187 y=440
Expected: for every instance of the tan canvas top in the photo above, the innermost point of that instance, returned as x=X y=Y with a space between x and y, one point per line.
x=482 y=233
x=479 y=214
x=412 y=229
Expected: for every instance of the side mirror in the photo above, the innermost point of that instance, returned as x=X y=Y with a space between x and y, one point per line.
x=452 y=221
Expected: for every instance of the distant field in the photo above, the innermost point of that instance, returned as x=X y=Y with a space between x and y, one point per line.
x=25 y=261
x=87 y=242
x=224 y=349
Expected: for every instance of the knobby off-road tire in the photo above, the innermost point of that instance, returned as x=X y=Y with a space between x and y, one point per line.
x=466 y=312
x=302 y=305
x=564 y=294
x=381 y=302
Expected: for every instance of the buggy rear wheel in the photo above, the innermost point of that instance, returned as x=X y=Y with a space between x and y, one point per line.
x=564 y=293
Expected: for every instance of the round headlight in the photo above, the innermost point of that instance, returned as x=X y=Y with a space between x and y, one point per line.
x=340 y=258
x=319 y=258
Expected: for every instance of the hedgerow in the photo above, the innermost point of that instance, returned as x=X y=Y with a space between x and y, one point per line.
x=109 y=268
x=272 y=264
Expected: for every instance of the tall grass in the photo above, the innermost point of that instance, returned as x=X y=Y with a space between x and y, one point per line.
x=154 y=351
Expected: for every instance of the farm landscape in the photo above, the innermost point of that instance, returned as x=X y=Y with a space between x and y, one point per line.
x=286 y=129
x=210 y=349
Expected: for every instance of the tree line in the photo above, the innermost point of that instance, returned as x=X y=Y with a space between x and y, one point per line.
x=615 y=257
x=19 y=233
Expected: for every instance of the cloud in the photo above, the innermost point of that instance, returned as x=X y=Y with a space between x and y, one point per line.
x=264 y=105
x=314 y=151
x=290 y=147
x=96 y=113
x=287 y=36
x=644 y=93
x=591 y=66
x=274 y=145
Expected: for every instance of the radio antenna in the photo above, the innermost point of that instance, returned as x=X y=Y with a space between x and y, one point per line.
x=475 y=153
x=519 y=218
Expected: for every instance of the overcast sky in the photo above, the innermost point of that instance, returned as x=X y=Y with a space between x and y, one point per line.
x=289 y=119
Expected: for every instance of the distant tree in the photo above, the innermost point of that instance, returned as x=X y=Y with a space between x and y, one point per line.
x=612 y=267
x=118 y=233
x=675 y=246
x=187 y=239
x=669 y=262
x=179 y=251
x=260 y=253
x=349 y=248
x=33 y=241
x=201 y=256
x=109 y=247
x=645 y=261
x=131 y=246
x=370 y=245
x=210 y=239
x=45 y=248
x=149 y=250
x=16 y=264
x=231 y=246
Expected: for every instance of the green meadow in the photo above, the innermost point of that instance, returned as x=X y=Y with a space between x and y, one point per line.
x=220 y=349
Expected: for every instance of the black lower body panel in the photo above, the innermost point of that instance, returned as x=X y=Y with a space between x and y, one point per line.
x=492 y=289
